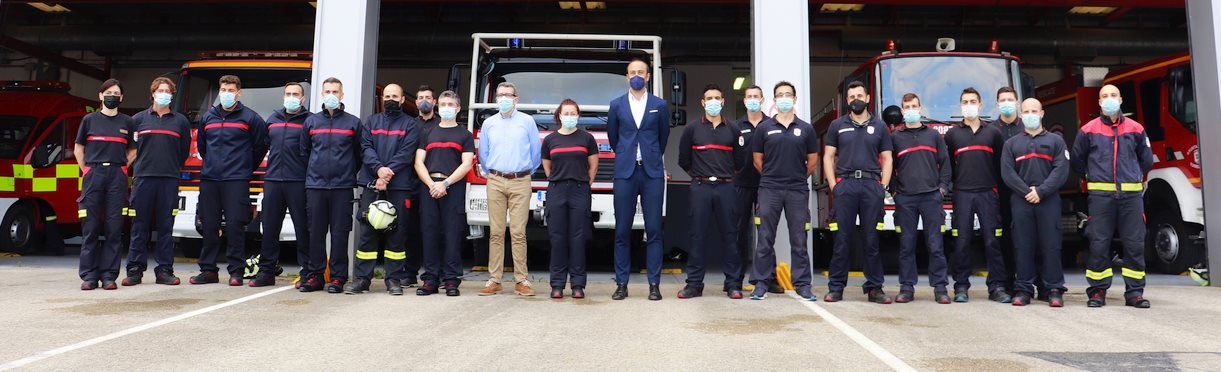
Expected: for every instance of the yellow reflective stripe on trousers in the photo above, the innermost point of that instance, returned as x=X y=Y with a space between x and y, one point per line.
x=174 y=212
x=131 y=212
x=81 y=213
x=1133 y=273
x=954 y=232
x=1105 y=186
x=398 y=256
x=1098 y=275
x=834 y=226
x=943 y=229
x=758 y=221
x=807 y=226
x=998 y=232
x=366 y=255
x=881 y=226
x=899 y=229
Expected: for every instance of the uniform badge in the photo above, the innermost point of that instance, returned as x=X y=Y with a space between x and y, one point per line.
x=869 y=130
x=124 y=131
x=797 y=132
x=741 y=141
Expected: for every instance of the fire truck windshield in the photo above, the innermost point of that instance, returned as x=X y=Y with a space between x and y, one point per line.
x=939 y=80
x=14 y=131
x=590 y=88
x=262 y=90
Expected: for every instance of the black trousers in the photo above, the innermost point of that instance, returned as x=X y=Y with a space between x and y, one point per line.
x=745 y=204
x=795 y=204
x=279 y=196
x=857 y=198
x=330 y=210
x=232 y=199
x=391 y=244
x=969 y=205
x=154 y=203
x=713 y=205
x=1037 y=230
x=443 y=222
x=568 y=225
x=1109 y=216
x=415 y=238
x=909 y=211
x=102 y=201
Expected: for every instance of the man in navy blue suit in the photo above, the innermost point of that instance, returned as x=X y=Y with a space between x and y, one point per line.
x=638 y=125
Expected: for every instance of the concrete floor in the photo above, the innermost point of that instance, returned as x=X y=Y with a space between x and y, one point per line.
x=48 y=324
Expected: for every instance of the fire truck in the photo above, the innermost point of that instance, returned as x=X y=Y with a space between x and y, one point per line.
x=938 y=77
x=547 y=68
x=39 y=177
x=1159 y=94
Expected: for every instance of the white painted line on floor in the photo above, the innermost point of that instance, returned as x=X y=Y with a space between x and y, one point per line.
x=137 y=329
x=872 y=347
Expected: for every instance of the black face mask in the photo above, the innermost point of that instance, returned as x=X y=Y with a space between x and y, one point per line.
x=392 y=105
x=111 y=102
x=857 y=106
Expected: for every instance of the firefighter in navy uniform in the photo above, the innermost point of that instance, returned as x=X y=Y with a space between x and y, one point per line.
x=163 y=142
x=1034 y=165
x=330 y=138
x=284 y=186
x=103 y=149
x=388 y=144
x=785 y=152
x=858 y=164
x=706 y=153
x=1010 y=125
x=232 y=140
x=1113 y=153
x=921 y=180
x=746 y=182
x=442 y=159
x=974 y=148
x=426 y=103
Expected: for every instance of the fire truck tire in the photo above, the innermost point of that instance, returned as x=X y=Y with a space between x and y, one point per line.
x=190 y=247
x=1168 y=241
x=17 y=231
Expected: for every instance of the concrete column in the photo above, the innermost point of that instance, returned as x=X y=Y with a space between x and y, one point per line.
x=1203 y=19
x=780 y=50
x=345 y=47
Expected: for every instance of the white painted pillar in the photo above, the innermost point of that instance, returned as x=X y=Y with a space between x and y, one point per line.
x=1203 y=19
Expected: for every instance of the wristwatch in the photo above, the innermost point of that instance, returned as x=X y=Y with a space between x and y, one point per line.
x=446 y=183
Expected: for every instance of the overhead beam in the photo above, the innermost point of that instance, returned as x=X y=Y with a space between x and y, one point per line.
x=981 y=3
x=53 y=57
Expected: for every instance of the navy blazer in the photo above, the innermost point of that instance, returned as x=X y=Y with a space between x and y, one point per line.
x=651 y=137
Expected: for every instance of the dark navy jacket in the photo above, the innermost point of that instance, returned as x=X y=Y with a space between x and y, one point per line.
x=331 y=142
x=232 y=143
x=1039 y=161
x=922 y=163
x=651 y=137
x=163 y=143
x=389 y=139
x=1114 y=154
x=285 y=161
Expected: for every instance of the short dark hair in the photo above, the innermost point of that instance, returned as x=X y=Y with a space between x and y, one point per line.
x=110 y=83
x=909 y=97
x=641 y=60
x=970 y=90
x=423 y=88
x=1004 y=89
x=566 y=102
x=711 y=86
x=855 y=84
x=754 y=87
x=450 y=94
x=333 y=80
x=294 y=84
x=231 y=79
x=783 y=83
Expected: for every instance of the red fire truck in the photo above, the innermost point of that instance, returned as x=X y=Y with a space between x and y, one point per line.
x=39 y=177
x=1159 y=94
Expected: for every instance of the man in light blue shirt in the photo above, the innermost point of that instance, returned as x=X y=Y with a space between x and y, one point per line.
x=509 y=152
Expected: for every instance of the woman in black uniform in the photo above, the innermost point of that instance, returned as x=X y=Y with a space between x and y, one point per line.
x=570 y=159
x=104 y=148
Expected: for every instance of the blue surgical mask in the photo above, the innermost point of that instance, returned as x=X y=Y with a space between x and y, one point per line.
x=911 y=116
x=569 y=122
x=637 y=82
x=1008 y=108
x=162 y=99
x=504 y=104
x=784 y=104
x=330 y=101
x=227 y=99
x=753 y=105
x=1031 y=121
x=712 y=107
x=1110 y=106
x=292 y=104
x=447 y=113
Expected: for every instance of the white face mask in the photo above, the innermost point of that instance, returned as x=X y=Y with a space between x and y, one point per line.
x=970 y=111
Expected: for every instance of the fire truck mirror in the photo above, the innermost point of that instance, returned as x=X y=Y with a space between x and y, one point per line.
x=46 y=155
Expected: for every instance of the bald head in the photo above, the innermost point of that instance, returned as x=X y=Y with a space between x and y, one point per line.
x=392 y=92
x=1032 y=106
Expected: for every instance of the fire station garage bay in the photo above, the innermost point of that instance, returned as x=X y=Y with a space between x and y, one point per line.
x=1053 y=153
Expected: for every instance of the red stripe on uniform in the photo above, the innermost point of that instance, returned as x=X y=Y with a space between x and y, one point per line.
x=107 y=139
x=712 y=147
x=159 y=131
x=389 y=132
x=452 y=145
x=917 y=148
x=345 y=132
x=1034 y=155
x=973 y=148
x=284 y=125
x=581 y=149
x=242 y=126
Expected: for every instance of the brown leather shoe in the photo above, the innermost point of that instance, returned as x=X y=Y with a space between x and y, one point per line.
x=491 y=289
x=523 y=289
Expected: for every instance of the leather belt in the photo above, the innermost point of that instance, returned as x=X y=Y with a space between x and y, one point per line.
x=858 y=174
x=510 y=176
x=712 y=179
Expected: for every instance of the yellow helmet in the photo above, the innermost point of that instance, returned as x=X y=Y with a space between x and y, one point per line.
x=381 y=215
